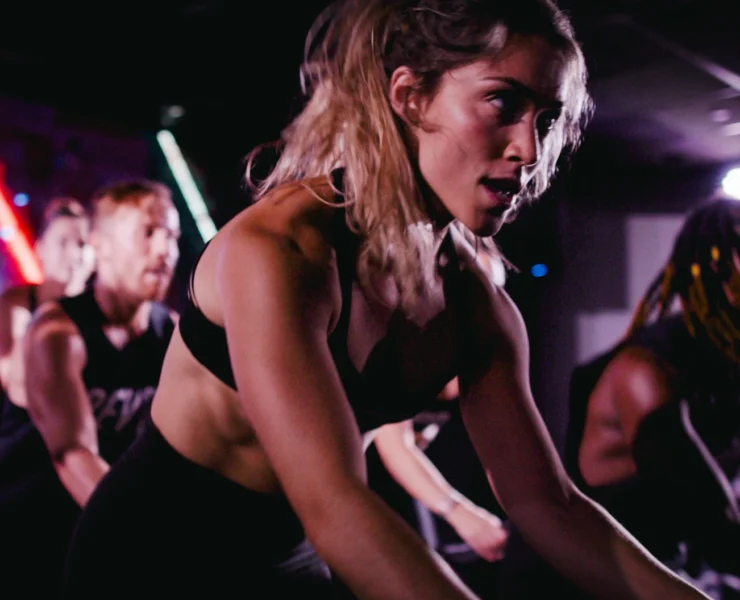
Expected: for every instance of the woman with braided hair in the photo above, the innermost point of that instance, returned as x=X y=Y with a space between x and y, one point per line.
x=660 y=444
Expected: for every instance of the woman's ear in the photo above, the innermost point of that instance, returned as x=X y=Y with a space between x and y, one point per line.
x=403 y=95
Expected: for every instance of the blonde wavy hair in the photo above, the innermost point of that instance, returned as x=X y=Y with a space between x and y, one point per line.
x=348 y=122
x=60 y=206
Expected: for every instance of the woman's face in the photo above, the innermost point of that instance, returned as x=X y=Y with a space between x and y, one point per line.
x=61 y=249
x=478 y=138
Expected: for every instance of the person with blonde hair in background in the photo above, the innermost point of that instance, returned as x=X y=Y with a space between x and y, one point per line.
x=60 y=247
x=92 y=363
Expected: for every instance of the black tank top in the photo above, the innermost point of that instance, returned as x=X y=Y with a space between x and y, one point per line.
x=120 y=382
x=700 y=375
x=698 y=371
x=371 y=405
x=120 y=385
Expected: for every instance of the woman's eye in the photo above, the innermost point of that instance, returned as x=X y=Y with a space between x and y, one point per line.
x=508 y=103
x=497 y=100
x=549 y=119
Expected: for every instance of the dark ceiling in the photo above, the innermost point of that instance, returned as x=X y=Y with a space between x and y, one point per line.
x=665 y=73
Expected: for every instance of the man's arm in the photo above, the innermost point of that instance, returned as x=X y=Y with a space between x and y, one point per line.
x=666 y=432
x=54 y=356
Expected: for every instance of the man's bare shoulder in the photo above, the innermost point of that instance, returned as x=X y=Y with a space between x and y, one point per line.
x=637 y=378
x=51 y=320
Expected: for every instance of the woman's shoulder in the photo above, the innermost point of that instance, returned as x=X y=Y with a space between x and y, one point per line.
x=302 y=211
x=276 y=249
x=293 y=223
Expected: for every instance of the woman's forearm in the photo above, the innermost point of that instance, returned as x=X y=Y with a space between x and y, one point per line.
x=376 y=554
x=586 y=544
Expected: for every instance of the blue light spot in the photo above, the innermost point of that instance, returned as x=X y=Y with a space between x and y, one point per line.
x=6 y=233
x=20 y=199
x=539 y=270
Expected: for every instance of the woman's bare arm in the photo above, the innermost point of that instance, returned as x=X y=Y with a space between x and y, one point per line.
x=278 y=308
x=574 y=534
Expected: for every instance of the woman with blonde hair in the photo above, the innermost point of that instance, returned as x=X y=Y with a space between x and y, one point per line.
x=346 y=298
x=61 y=241
x=60 y=246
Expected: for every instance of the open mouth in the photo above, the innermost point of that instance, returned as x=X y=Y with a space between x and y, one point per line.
x=161 y=272
x=503 y=193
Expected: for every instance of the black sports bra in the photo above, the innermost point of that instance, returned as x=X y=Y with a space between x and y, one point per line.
x=372 y=407
x=207 y=341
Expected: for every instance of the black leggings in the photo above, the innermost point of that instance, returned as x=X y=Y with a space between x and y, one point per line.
x=159 y=525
